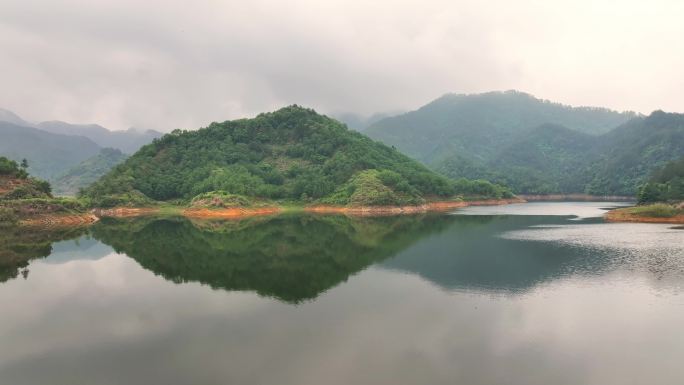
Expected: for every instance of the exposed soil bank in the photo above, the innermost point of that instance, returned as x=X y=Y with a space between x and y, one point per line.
x=399 y=210
x=230 y=212
x=123 y=212
x=56 y=220
x=75 y=220
x=623 y=215
x=577 y=197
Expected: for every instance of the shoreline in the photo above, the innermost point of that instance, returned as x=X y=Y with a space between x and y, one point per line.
x=437 y=206
x=622 y=215
x=231 y=213
x=575 y=198
x=59 y=221
x=237 y=213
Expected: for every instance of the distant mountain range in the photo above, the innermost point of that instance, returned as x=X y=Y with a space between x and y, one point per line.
x=48 y=154
x=128 y=141
x=53 y=148
x=535 y=146
x=532 y=145
x=87 y=172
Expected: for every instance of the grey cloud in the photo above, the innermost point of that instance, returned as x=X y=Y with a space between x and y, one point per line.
x=169 y=64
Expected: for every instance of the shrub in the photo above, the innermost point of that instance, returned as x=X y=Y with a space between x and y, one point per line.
x=219 y=199
x=659 y=210
x=8 y=216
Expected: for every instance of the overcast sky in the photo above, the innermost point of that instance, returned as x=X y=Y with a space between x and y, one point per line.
x=182 y=64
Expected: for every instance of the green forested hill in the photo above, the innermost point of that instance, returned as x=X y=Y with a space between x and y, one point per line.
x=624 y=158
x=574 y=151
x=292 y=154
x=48 y=154
x=553 y=159
x=666 y=184
x=87 y=172
x=478 y=126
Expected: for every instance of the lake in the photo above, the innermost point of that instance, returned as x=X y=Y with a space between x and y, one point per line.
x=537 y=293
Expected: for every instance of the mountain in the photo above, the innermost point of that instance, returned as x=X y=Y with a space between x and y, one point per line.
x=48 y=154
x=554 y=159
x=10 y=117
x=623 y=159
x=53 y=148
x=535 y=146
x=128 y=141
x=666 y=184
x=478 y=126
x=359 y=122
x=87 y=172
x=290 y=154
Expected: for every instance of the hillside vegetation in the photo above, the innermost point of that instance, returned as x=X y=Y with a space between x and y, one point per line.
x=665 y=185
x=87 y=172
x=22 y=196
x=536 y=147
x=478 y=126
x=291 y=154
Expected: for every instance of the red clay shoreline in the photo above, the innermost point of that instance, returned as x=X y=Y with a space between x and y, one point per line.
x=59 y=221
x=235 y=212
x=86 y=219
x=437 y=206
x=624 y=216
x=575 y=198
x=230 y=212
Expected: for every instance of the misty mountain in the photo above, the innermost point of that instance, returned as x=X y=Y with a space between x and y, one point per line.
x=11 y=117
x=624 y=158
x=359 y=122
x=48 y=154
x=87 y=172
x=128 y=141
x=478 y=126
x=53 y=148
x=556 y=159
x=536 y=146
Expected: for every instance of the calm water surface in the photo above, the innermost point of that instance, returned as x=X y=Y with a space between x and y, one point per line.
x=542 y=293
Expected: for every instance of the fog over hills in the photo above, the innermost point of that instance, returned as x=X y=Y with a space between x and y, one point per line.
x=53 y=148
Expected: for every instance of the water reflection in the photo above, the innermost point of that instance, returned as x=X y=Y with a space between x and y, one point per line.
x=297 y=257
x=289 y=257
x=417 y=305
x=18 y=246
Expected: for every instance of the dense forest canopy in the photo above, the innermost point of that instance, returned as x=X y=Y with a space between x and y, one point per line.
x=534 y=146
x=10 y=168
x=478 y=126
x=665 y=185
x=291 y=154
